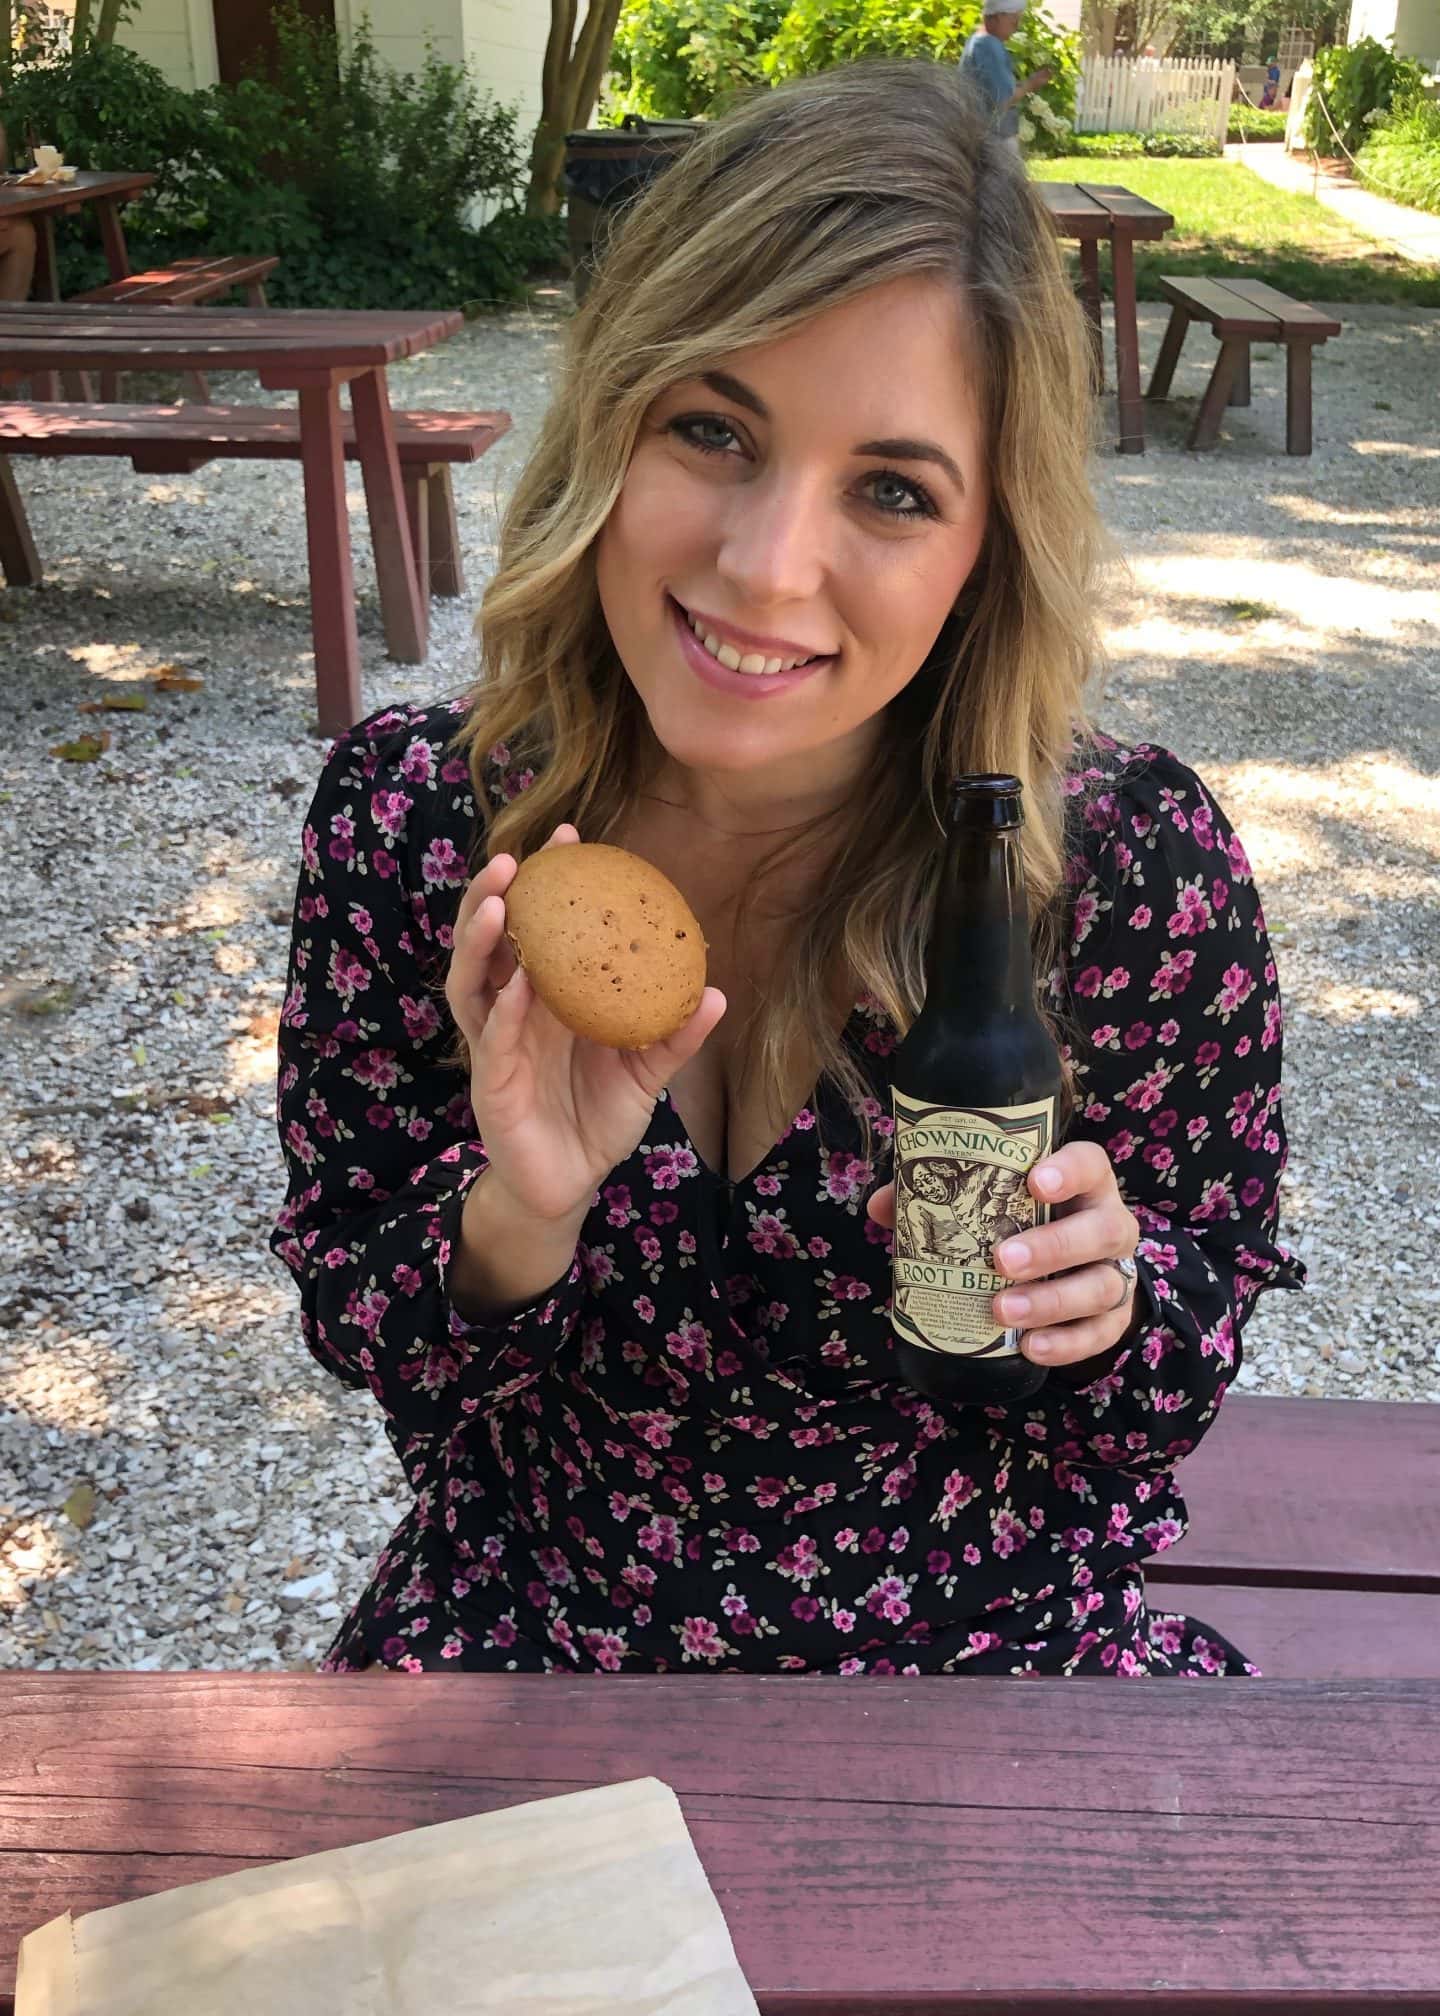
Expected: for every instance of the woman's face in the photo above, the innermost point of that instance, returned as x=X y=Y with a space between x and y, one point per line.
x=819 y=499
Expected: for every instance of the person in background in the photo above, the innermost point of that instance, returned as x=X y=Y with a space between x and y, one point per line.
x=17 y=258
x=985 y=62
x=1270 y=96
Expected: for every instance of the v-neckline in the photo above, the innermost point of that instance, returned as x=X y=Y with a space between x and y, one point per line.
x=808 y=1105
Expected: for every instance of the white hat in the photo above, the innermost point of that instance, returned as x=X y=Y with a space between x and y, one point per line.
x=1009 y=7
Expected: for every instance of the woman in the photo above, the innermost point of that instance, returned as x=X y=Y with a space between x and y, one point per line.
x=806 y=532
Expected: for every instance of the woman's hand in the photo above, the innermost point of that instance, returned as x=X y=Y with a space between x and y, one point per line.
x=556 y=1113
x=1086 y=1307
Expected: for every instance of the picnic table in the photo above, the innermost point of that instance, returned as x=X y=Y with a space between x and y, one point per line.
x=1090 y=212
x=311 y=353
x=1066 y=1848
x=43 y=203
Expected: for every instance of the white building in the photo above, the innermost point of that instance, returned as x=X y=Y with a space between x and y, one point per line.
x=502 y=42
x=1410 y=27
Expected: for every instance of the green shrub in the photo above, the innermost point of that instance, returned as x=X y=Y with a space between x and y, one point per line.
x=1247 y=122
x=1149 y=146
x=817 y=34
x=676 y=59
x=1352 y=84
x=1401 y=158
x=364 y=179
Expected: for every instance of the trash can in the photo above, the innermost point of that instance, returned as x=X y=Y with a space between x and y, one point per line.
x=604 y=168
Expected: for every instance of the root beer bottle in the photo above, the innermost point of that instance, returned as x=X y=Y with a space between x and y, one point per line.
x=976 y=1090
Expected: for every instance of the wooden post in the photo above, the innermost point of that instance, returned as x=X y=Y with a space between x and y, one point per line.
x=19 y=562
x=1170 y=347
x=1297 y=396
x=447 y=572
x=332 y=578
x=404 y=600
x=1090 y=300
x=417 y=511
x=112 y=237
x=1127 y=343
x=1206 y=430
x=1240 y=383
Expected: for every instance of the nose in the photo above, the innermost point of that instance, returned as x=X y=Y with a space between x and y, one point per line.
x=773 y=543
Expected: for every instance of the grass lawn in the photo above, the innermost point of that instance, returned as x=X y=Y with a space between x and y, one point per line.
x=1229 y=221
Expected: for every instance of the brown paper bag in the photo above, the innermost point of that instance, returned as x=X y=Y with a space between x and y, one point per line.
x=593 y=1904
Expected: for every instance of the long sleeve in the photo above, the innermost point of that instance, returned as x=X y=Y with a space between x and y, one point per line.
x=375 y=1120
x=1173 y=994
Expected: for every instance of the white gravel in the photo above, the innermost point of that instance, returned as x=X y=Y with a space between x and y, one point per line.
x=1277 y=629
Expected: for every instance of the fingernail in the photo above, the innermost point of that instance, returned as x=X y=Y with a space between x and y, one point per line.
x=1014 y=1307
x=1048 y=1177
x=1039 y=1347
x=1013 y=1255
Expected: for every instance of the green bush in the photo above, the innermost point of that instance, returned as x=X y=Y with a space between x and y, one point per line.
x=364 y=179
x=1401 y=158
x=1146 y=146
x=676 y=59
x=1353 y=84
x=817 y=34
x=1248 y=123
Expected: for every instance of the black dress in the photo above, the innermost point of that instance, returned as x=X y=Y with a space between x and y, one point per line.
x=693 y=1453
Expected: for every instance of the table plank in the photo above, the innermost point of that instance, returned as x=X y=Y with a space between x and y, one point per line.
x=1294 y=314
x=1073 y=213
x=1244 y=1842
x=38 y=336
x=1135 y=215
x=90 y=185
x=1256 y=1486
x=1315 y=1634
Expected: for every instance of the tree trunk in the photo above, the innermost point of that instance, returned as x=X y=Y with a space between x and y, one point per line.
x=80 y=31
x=109 y=20
x=573 y=72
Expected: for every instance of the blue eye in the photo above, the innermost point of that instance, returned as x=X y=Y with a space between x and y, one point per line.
x=691 y=428
x=922 y=503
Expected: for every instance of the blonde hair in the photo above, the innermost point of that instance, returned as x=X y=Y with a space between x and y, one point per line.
x=798 y=199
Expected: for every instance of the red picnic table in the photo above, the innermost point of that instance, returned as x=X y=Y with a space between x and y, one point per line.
x=44 y=202
x=1091 y=212
x=1054 y=1847
x=311 y=353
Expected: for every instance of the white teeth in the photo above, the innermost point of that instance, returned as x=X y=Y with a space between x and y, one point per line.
x=752 y=662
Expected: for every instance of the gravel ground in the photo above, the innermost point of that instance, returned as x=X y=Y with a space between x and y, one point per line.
x=179 y=1485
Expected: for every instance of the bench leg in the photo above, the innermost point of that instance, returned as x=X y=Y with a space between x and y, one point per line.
x=1240 y=383
x=332 y=579
x=447 y=572
x=255 y=294
x=417 y=511
x=1297 y=398
x=19 y=562
x=1090 y=301
x=404 y=599
x=1206 y=431
x=199 y=385
x=1127 y=346
x=1172 y=343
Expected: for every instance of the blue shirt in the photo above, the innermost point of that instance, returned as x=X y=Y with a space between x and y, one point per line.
x=986 y=62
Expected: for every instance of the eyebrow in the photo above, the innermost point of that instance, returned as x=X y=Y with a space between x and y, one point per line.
x=898 y=448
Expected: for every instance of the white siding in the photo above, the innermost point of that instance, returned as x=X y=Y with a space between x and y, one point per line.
x=401 y=28
x=178 y=37
x=505 y=47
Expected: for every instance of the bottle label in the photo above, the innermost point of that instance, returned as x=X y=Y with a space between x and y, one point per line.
x=959 y=1190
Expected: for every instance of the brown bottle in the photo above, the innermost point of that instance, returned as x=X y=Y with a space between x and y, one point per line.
x=976 y=1090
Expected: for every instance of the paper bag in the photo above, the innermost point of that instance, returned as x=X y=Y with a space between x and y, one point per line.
x=593 y=1904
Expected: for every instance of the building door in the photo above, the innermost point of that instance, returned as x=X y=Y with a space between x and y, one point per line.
x=245 y=33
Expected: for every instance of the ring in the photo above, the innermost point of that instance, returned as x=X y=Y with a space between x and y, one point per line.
x=1129 y=1273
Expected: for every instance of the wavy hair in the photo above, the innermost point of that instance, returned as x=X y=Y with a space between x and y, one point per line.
x=797 y=199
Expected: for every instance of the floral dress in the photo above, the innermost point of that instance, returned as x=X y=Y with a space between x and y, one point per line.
x=693 y=1453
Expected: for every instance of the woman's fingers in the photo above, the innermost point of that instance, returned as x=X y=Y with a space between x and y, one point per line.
x=881 y=1206
x=657 y=1065
x=1070 y=1298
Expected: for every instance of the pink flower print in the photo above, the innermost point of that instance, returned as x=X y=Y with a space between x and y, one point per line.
x=970 y=1554
x=818 y=1248
x=1010 y=1533
x=348 y=976
x=1220 y=1342
x=666 y=1166
x=959 y=1492
x=770 y=1234
x=768 y=1186
x=1087 y=982
x=1270 y=1035
x=1120 y=1147
x=800 y=1561
x=661 y=1537
x=388 y=810
x=1141 y=917
x=1192 y=918
x=442 y=865
x=1173 y=975
x=1138 y=1035
x=937 y=1562
x=376 y=1069
x=1087 y=909
x=417 y=765
x=617 y=1199
x=606 y=1648
x=1239 y=985
x=846 y=1177
x=700 y=1639
x=1215 y=1202
x=422 y=1018
x=342 y=838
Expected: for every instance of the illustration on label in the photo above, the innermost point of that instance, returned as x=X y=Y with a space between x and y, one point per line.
x=960 y=1189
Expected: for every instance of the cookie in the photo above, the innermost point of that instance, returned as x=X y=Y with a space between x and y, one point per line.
x=609 y=944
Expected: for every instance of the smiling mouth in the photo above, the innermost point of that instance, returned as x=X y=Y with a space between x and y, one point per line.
x=755 y=664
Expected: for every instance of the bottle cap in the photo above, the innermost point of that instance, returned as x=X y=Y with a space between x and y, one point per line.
x=986 y=802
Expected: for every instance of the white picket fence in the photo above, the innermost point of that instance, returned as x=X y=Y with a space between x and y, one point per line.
x=1121 y=94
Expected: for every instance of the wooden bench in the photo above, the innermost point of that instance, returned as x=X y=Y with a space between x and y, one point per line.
x=1242 y=312
x=183 y=284
x=1314 y=1537
x=177 y=440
